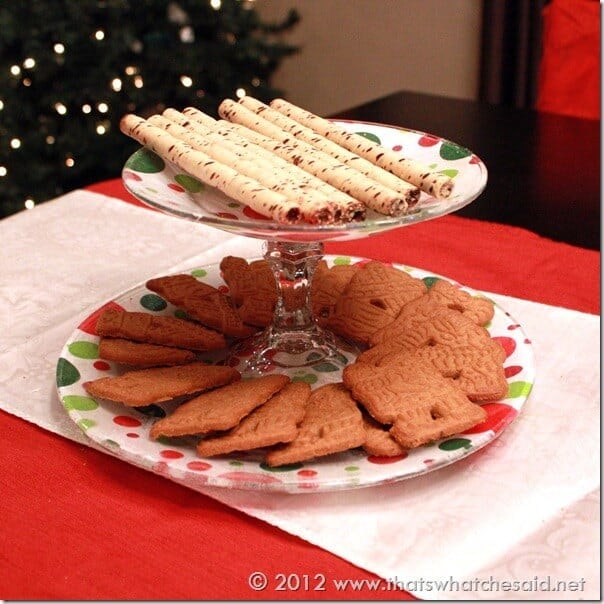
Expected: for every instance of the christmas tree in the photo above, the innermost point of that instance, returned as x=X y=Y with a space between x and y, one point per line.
x=70 y=69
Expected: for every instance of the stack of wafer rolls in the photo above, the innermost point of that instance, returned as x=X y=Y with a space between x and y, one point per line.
x=286 y=163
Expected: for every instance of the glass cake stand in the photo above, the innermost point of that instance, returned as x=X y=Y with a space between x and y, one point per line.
x=294 y=339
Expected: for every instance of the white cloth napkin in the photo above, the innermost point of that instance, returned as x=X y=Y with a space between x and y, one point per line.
x=517 y=520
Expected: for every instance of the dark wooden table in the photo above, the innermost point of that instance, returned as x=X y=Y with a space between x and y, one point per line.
x=544 y=169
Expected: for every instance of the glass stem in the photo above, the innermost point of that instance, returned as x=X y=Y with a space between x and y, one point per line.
x=293 y=265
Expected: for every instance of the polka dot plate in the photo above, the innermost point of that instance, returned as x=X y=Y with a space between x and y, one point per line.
x=125 y=431
x=163 y=186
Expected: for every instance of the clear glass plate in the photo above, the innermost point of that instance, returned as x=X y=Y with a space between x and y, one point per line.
x=164 y=187
x=125 y=431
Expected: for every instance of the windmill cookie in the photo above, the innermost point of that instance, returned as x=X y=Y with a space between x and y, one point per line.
x=158 y=329
x=478 y=309
x=202 y=302
x=220 y=409
x=328 y=284
x=141 y=387
x=140 y=354
x=332 y=423
x=372 y=299
x=378 y=440
x=274 y=422
x=252 y=288
x=414 y=397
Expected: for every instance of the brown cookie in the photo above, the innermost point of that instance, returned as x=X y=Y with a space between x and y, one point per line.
x=414 y=397
x=451 y=342
x=202 y=302
x=327 y=285
x=158 y=329
x=274 y=422
x=220 y=409
x=252 y=288
x=372 y=300
x=478 y=309
x=332 y=423
x=378 y=440
x=141 y=387
x=140 y=354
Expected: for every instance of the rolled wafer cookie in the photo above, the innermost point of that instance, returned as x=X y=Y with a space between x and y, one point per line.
x=346 y=207
x=315 y=207
x=198 y=164
x=406 y=189
x=327 y=168
x=142 y=387
x=434 y=183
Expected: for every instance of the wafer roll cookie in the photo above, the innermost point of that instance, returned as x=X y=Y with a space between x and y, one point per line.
x=409 y=191
x=347 y=179
x=226 y=179
x=413 y=171
x=315 y=207
x=346 y=207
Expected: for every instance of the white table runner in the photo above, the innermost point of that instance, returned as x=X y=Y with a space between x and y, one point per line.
x=517 y=520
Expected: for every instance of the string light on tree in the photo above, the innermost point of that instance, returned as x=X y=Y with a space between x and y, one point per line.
x=64 y=87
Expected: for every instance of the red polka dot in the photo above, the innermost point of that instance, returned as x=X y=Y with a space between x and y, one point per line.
x=397 y=148
x=509 y=344
x=512 y=370
x=176 y=187
x=132 y=435
x=379 y=460
x=247 y=211
x=199 y=466
x=170 y=454
x=101 y=365
x=428 y=461
x=226 y=215
x=127 y=175
x=223 y=289
x=512 y=327
x=427 y=140
x=306 y=473
x=126 y=421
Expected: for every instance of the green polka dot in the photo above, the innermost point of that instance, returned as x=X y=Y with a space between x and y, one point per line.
x=285 y=468
x=111 y=444
x=307 y=378
x=325 y=367
x=85 y=424
x=233 y=204
x=430 y=281
x=341 y=260
x=451 y=151
x=235 y=463
x=189 y=183
x=74 y=402
x=153 y=302
x=84 y=350
x=199 y=272
x=370 y=136
x=145 y=161
x=67 y=373
x=518 y=389
x=351 y=469
x=181 y=314
x=450 y=172
x=455 y=443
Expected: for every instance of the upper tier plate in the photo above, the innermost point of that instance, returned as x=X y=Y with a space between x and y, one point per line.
x=165 y=187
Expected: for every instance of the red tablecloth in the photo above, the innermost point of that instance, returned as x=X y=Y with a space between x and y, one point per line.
x=79 y=524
